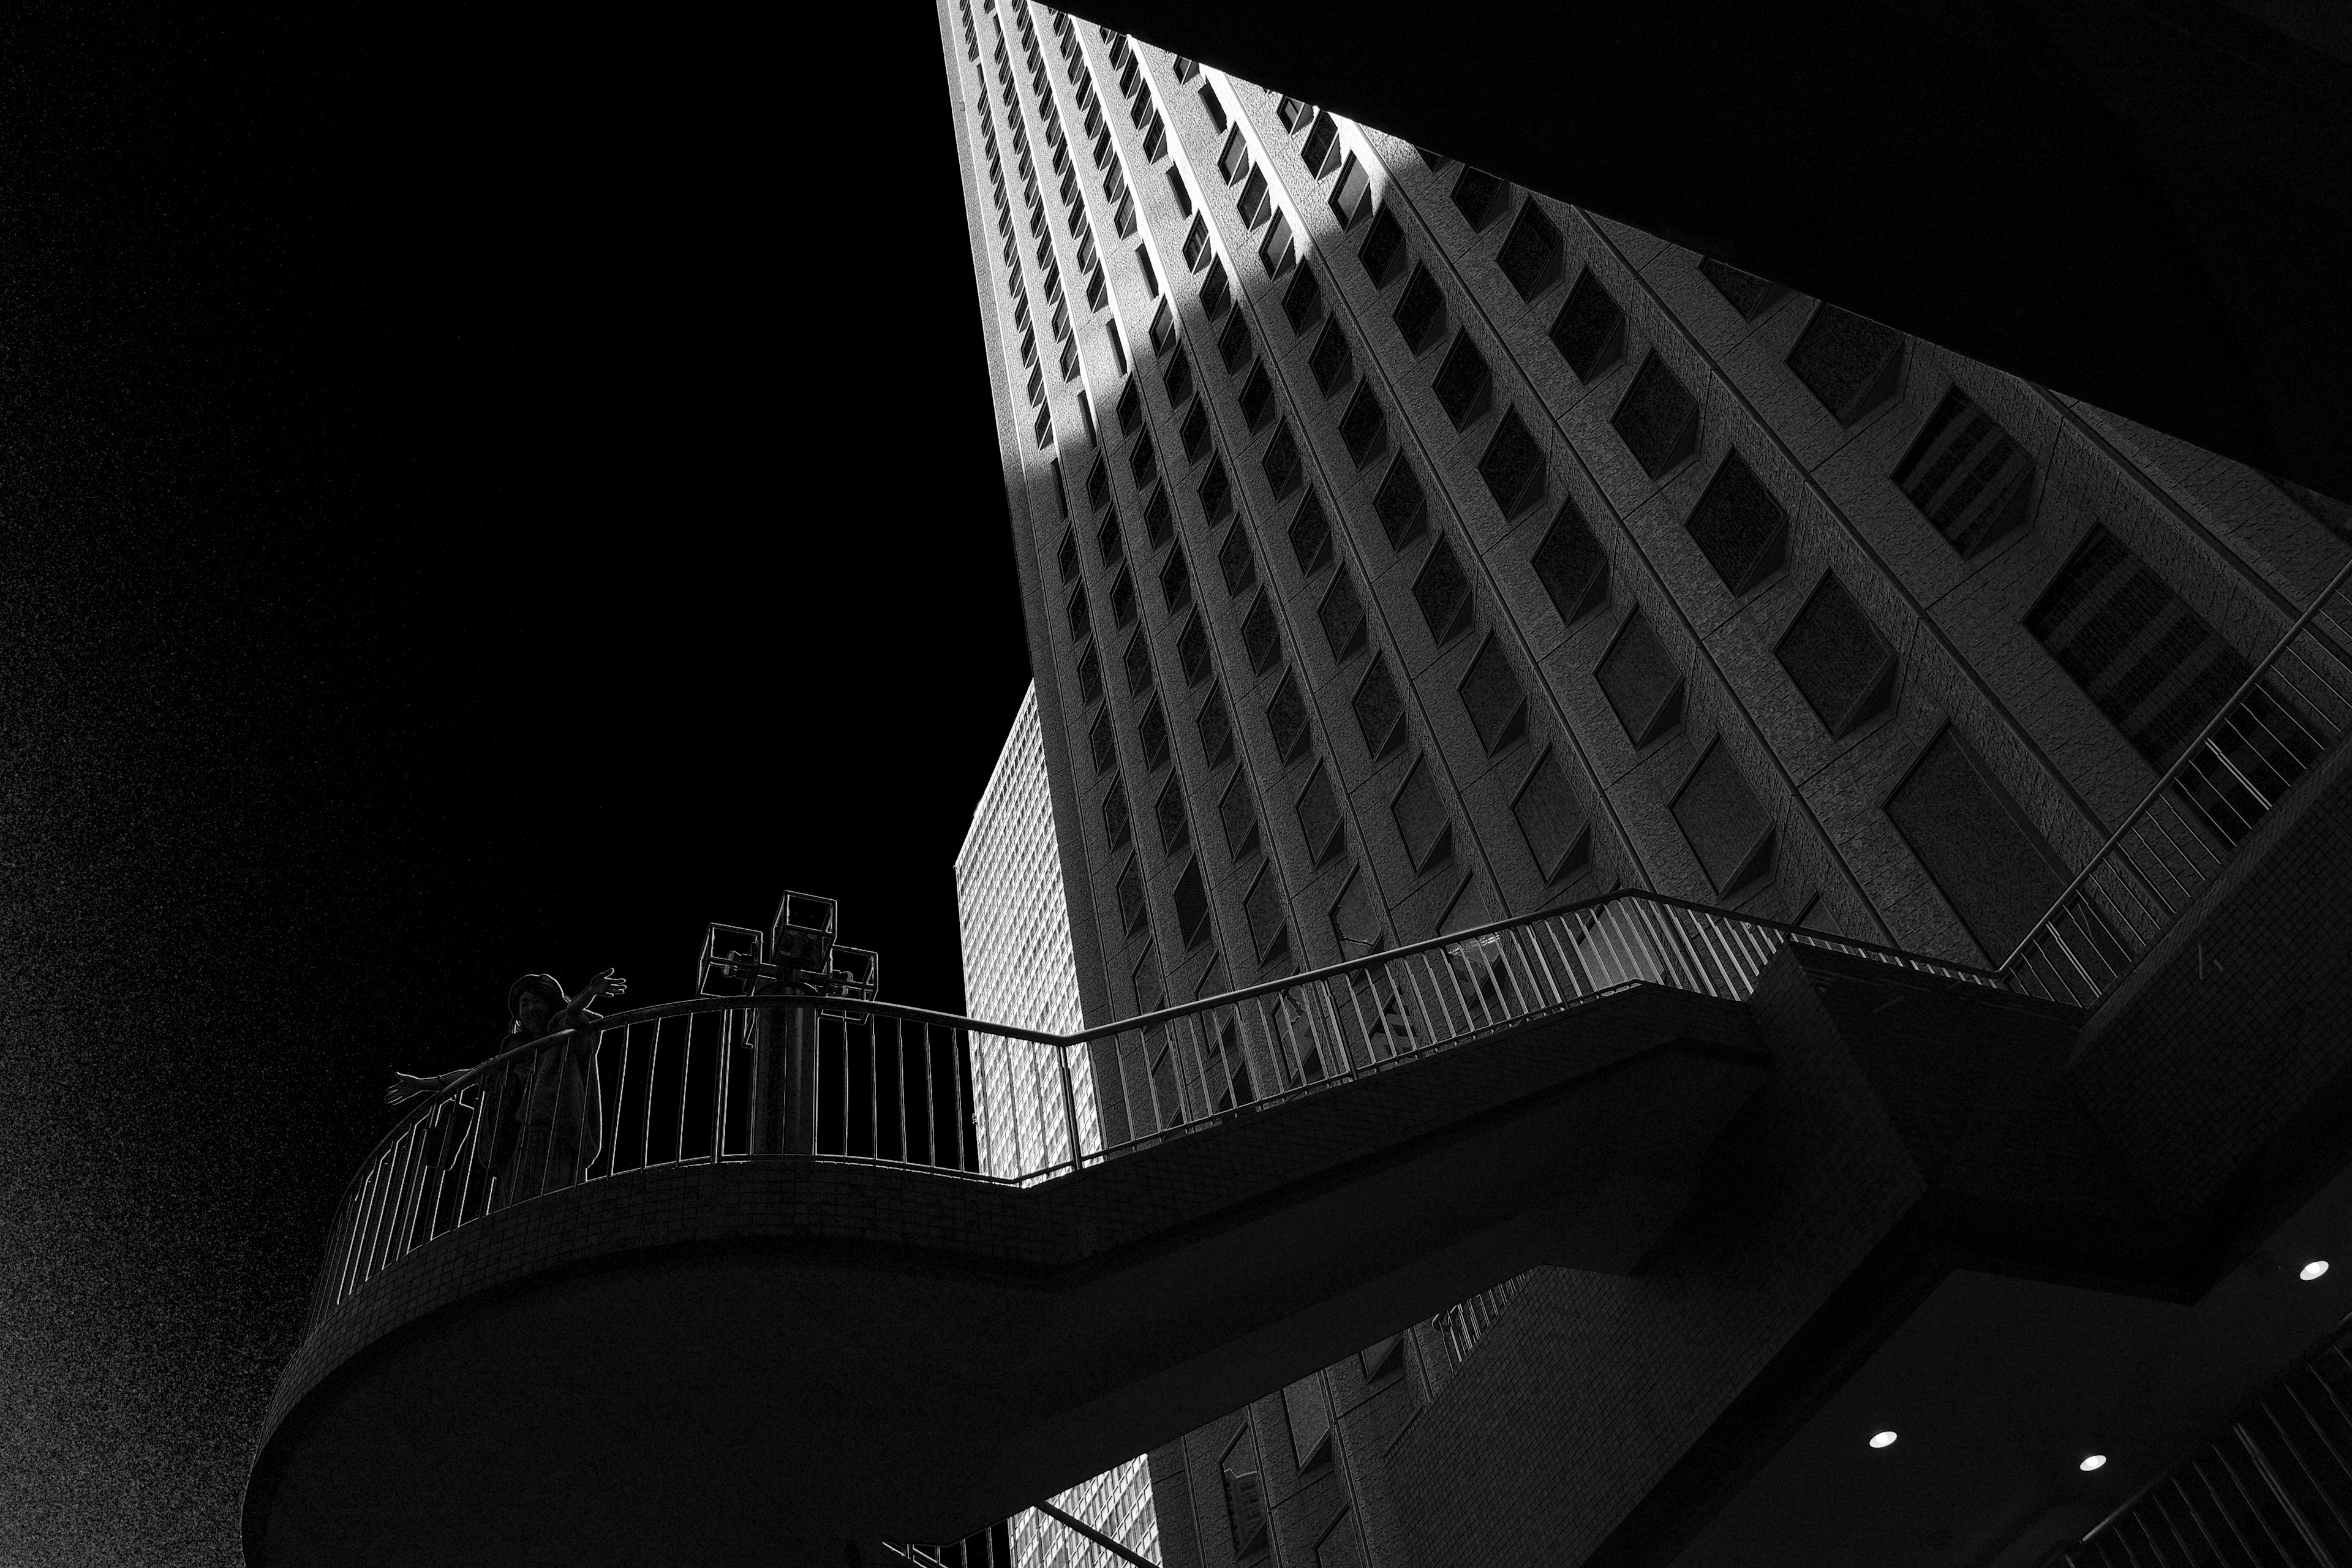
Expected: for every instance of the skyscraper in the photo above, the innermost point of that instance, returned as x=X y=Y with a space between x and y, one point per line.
x=1403 y=551
x=1018 y=970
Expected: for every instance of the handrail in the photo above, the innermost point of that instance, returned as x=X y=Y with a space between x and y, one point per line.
x=2171 y=775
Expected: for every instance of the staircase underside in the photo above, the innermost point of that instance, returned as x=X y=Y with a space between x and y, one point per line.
x=758 y=1362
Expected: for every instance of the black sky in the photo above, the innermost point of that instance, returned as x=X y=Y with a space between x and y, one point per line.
x=480 y=495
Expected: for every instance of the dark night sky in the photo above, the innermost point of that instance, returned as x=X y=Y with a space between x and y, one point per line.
x=474 y=501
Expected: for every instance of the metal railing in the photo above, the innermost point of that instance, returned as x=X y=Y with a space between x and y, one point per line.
x=2288 y=710
x=719 y=1080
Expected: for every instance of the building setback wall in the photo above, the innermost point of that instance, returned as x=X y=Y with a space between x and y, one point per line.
x=1273 y=746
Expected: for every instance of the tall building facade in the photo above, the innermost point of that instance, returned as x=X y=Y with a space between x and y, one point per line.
x=1403 y=551
x=1018 y=969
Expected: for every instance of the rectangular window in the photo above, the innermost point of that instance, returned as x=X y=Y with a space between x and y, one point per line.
x=1321 y=137
x=1152 y=730
x=1176 y=188
x=1099 y=744
x=1193 y=652
x=1310 y=534
x=1177 y=379
x=1108 y=542
x=1380 y=710
x=1196 y=245
x=1331 y=362
x=1176 y=581
x=1135 y=662
x=1571 y=566
x=1399 y=504
x=1142 y=462
x=1727 y=828
x=1492 y=696
x=1158 y=526
x=1191 y=905
x=1281 y=462
x=1419 y=809
x=1090 y=687
x=1067 y=558
x=1420 y=313
x=1639 y=678
x=1167 y=815
x=1302 y=302
x=1291 y=113
x=1270 y=937
x=1967 y=475
x=1836 y=658
x=1553 y=821
x=1318 y=816
x=1352 y=195
x=1238 y=563
x=1286 y=719
x=1234 y=160
x=1209 y=101
x=1234 y=346
x=1261 y=638
x=1512 y=466
x=1082 y=625
x=1132 y=915
x=1462 y=382
x=1740 y=526
x=1985 y=857
x=1530 y=257
x=1364 y=427
x=1382 y=251
x=1194 y=432
x=1163 y=330
x=1356 y=930
x=1122 y=598
x=1443 y=592
x=1342 y=615
x=1143 y=263
x=1216 y=726
x=1850 y=362
x=1590 y=332
x=1117 y=826
x=2151 y=663
x=1238 y=817
x=1216 y=493
x=1749 y=295
x=1258 y=396
x=1657 y=418
x=1479 y=197
x=1279 y=249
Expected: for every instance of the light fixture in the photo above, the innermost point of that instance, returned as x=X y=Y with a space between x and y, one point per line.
x=1881 y=1440
x=2315 y=1268
x=2093 y=1461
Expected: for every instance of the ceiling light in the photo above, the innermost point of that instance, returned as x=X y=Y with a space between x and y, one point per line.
x=2093 y=1461
x=1881 y=1440
x=2315 y=1268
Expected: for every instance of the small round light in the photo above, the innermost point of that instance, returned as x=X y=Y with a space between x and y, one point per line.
x=2315 y=1268
x=2093 y=1461
x=1882 y=1440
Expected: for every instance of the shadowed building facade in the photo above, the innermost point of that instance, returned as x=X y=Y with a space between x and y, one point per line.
x=1404 y=551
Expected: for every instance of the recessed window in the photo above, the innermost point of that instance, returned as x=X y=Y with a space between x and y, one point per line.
x=1176 y=188
x=1291 y=113
x=1163 y=330
x=1132 y=916
x=1192 y=902
x=1176 y=377
x=1216 y=493
x=1749 y=295
x=1066 y=557
x=1286 y=719
x=1463 y=381
x=1234 y=159
x=1303 y=300
x=1984 y=855
x=1196 y=245
x=1168 y=814
x=1553 y=821
x=1143 y=264
x=1420 y=313
x=1261 y=638
x=1512 y=466
x=1082 y=625
x=1252 y=200
x=1350 y=195
x=1310 y=534
x=1098 y=485
x=1726 y=825
x=1216 y=728
x=1116 y=826
x=1740 y=526
x=1109 y=544
x=1850 y=362
x=1492 y=696
x=1641 y=681
x=1234 y=345
x=1257 y=397
x=1318 y=816
x=1419 y=811
x=1238 y=817
x=1176 y=581
x=1099 y=742
x=1270 y=937
x=1382 y=251
x=1331 y=362
x=1364 y=427
x=1321 y=137
x=1571 y=566
x=1356 y=930
x=1142 y=462
x=1657 y=418
x=1281 y=462
x=1209 y=101
x=1380 y=710
x=1590 y=332
x=1479 y=197
x=1341 y=613
x=1122 y=599
x=1279 y=248
x=1964 y=472
x=1238 y=563
x=1401 y=506
x=1443 y=592
x=1193 y=652
x=1216 y=293
x=1152 y=730
x=1090 y=687
x=1530 y=257
x=1194 y=432
x=1135 y=661
x=1845 y=669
